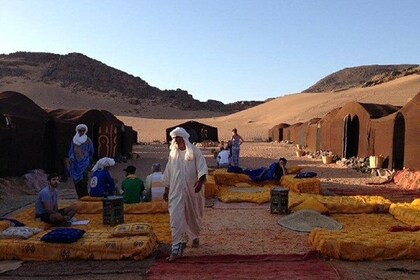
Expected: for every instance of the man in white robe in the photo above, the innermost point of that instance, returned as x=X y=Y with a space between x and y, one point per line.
x=184 y=177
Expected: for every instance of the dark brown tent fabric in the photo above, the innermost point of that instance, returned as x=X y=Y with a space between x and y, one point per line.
x=311 y=131
x=396 y=137
x=292 y=133
x=105 y=130
x=350 y=128
x=127 y=140
x=325 y=130
x=25 y=135
x=382 y=138
x=276 y=133
x=125 y=137
x=408 y=122
x=199 y=132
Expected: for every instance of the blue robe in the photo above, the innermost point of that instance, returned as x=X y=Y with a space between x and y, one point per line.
x=101 y=184
x=274 y=172
x=80 y=159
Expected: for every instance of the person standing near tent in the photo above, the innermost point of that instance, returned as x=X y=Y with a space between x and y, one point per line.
x=184 y=177
x=80 y=154
x=237 y=141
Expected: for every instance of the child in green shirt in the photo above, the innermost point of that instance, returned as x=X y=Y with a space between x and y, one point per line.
x=132 y=186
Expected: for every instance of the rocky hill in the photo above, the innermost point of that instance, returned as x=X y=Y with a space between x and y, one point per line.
x=81 y=74
x=363 y=76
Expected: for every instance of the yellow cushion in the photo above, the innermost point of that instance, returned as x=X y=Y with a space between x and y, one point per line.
x=311 y=204
x=131 y=229
x=305 y=185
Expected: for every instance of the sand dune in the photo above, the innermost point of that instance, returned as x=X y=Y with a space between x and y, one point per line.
x=253 y=124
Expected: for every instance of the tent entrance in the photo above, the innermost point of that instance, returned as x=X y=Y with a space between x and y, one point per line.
x=351 y=136
x=398 y=142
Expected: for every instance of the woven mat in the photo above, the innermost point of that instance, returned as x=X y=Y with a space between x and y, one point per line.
x=306 y=220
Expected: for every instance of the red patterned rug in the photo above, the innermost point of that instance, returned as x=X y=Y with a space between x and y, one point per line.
x=244 y=267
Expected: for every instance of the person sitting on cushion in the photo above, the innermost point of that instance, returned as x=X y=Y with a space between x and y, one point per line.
x=273 y=172
x=223 y=158
x=132 y=186
x=46 y=205
x=101 y=183
x=154 y=187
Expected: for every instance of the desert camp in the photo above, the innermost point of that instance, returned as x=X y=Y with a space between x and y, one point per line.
x=389 y=206
x=161 y=140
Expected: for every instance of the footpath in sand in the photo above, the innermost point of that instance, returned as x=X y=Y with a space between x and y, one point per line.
x=239 y=241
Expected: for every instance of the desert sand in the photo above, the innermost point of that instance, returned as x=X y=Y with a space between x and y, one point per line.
x=253 y=124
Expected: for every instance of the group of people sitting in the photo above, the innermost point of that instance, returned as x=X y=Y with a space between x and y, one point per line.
x=101 y=184
x=133 y=189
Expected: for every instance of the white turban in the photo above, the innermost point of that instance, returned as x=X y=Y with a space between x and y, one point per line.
x=103 y=162
x=180 y=132
x=77 y=139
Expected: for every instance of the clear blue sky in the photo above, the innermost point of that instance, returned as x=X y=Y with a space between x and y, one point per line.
x=227 y=50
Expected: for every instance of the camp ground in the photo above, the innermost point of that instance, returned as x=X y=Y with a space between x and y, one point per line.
x=239 y=233
x=340 y=224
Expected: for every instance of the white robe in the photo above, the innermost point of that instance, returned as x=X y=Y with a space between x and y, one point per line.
x=186 y=207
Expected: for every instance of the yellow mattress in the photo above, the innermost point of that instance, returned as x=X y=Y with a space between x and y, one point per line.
x=251 y=194
x=408 y=213
x=366 y=237
x=211 y=189
x=356 y=204
x=85 y=206
x=305 y=185
x=159 y=222
x=94 y=245
x=224 y=178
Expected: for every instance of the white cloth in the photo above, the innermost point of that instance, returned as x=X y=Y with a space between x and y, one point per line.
x=77 y=139
x=154 y=181
x=103 y=162
x=223 y=158
x=180 y=132
x=186 y=207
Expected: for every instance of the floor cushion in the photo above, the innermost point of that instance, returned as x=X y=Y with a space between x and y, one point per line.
x=131 y=229
x=19 y=232
x=311 y=204
x=63 y=235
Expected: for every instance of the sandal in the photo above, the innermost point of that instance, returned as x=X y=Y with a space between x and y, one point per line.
x=177 y=251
